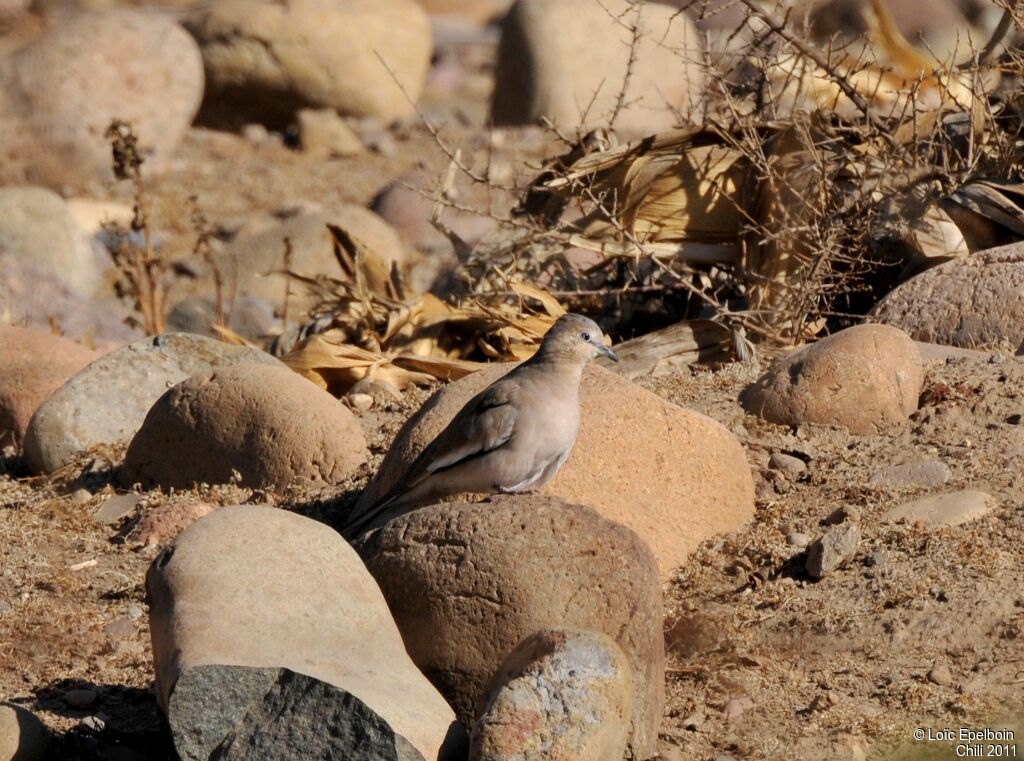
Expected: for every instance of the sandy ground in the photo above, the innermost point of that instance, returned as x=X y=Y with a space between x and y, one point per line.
x=764 y=662
x=831 y=669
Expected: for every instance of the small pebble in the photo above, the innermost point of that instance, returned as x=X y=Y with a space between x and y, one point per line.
x=832 y=550
x=360 y=401
x=940 y=675
x=737 y=707
x=94 y=723
x=796 y=539
x=81 y=495
x=80 y=698
x=791 y=467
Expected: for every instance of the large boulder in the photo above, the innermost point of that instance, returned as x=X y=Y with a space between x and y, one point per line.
x=973 y=302
x=561 y=694
x=672 y=475
x=264 y=424
x=863 y=379
x=247 y=592
x=467 y=582
x=266 y=60
x=59 y=93
x=107 y=402
x=34 y=297
x=568 y=60
x=35 y=364
x=37 y=225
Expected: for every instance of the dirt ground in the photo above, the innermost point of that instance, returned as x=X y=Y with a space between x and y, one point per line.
x=836 y=668
x=764 y=662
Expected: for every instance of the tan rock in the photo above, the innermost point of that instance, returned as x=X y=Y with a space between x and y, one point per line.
x=862 y=378
x=975 y=302
x=59 y=93
x=939 y=510
x=264 y=588
x=35 y=365
x=265 y=424
x=467 y=582
x=108 y=400
x=562 y=694
x=672 y=475
x=324 y=134
x=267 y=58
x=22 y=736
x=568 y=60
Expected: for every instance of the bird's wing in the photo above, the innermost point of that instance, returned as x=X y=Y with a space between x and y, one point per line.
x=487 y=422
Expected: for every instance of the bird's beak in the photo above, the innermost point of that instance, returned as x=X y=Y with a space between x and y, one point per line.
x=601 y=348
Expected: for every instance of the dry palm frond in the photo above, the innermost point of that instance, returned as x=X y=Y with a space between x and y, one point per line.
x=365 y=327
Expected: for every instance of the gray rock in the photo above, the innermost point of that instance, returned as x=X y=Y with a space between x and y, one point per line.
x=264 y=588
x=911 y=475
x=251 y=318
x=36 y=298
x=36 y=224
x=832 y=550
x=573 y=689
x=254 y=263
x=796 y=539
x=81 y=698
x=286 y=722
x=116 y=507
x=109 y=399
x=22 y=736
x=792 y=467
x=939 y=510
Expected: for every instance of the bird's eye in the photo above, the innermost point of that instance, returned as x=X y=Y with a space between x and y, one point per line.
x=585 y=336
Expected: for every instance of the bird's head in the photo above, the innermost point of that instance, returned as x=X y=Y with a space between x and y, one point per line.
x=576 y=337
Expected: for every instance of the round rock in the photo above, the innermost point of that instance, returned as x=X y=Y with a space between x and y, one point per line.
x=561 y=694
x=22 y=736
x=35 y=365
x=34 y=297
x=567 y=60
x=247 y=260
x=266 y=424
x=265 y=60
x=265 y=589
x=36 y=224
x=59 y=93
x=467 y=582
x=672 y=475
x=863 y=378
x=973 y=302
x=109 y=399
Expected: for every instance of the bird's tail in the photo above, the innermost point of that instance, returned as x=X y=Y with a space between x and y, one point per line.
x=356 y=524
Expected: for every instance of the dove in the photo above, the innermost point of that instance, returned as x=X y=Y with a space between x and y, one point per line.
x=512 y=437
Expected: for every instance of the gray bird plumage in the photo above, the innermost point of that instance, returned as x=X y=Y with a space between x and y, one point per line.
x=511 y=437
